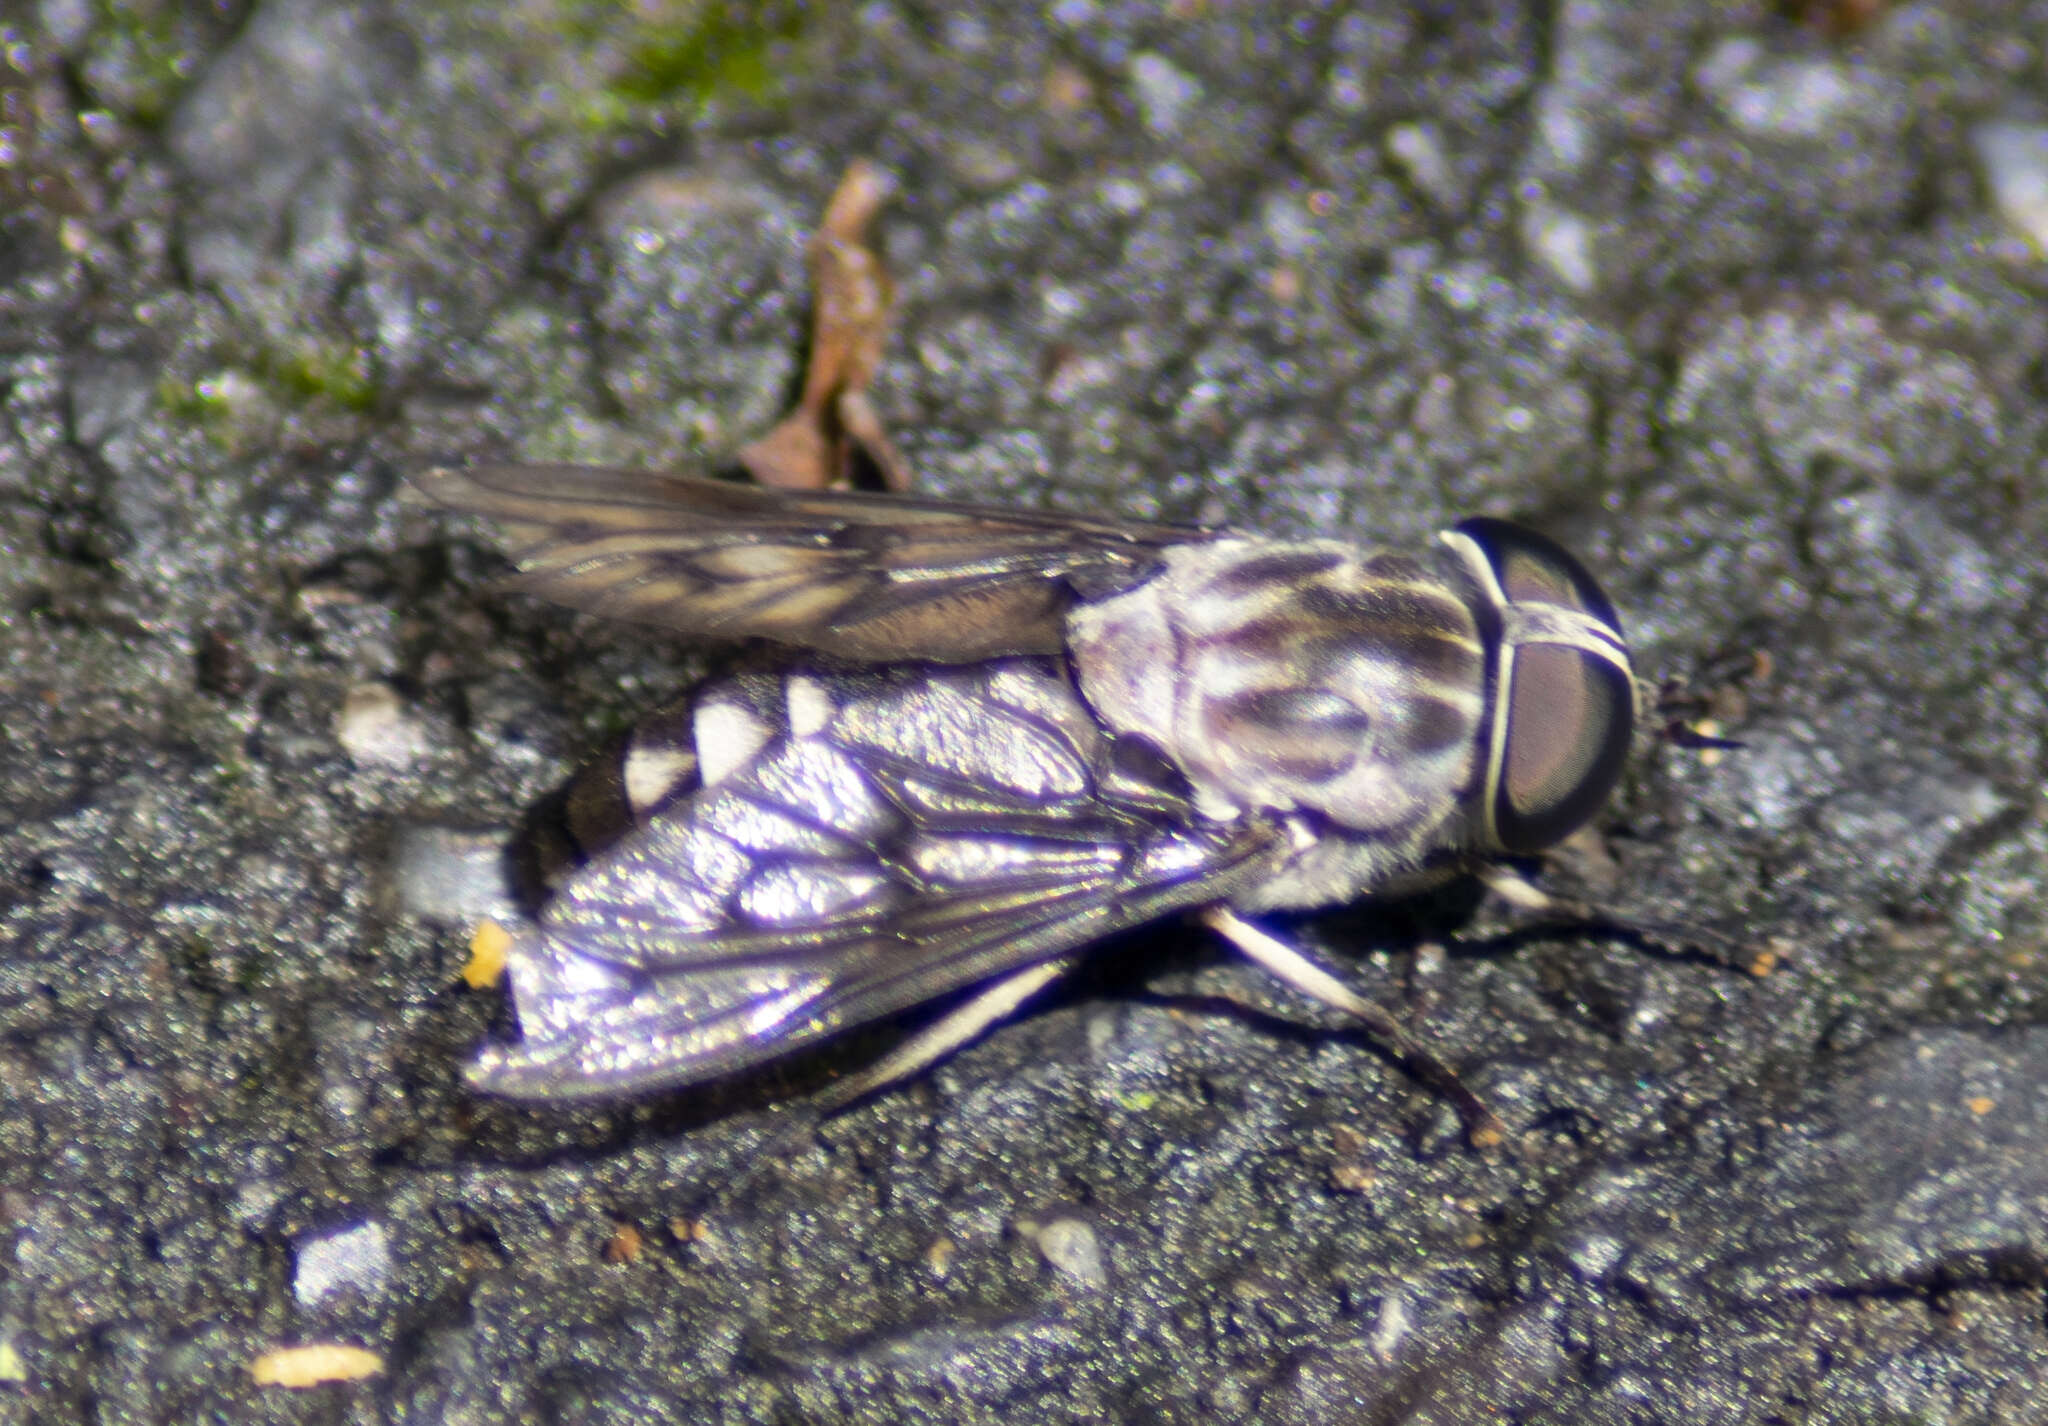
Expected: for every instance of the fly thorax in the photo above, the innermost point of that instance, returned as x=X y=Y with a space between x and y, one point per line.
x=1308 y=677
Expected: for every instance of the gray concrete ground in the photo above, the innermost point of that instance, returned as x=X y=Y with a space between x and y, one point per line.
x=1743 y=303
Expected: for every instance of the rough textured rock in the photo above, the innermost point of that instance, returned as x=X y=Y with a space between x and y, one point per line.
x=1747 y=310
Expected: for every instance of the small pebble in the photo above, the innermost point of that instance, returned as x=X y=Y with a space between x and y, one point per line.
x=1164 y=93
x=1072 y=1248
x=374 y=728
x=353 y=1259
x=2014 y=158
x=451 y=874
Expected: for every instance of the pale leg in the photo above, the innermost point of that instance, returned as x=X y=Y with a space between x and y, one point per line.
x=948 y=1033
x=1288 y=964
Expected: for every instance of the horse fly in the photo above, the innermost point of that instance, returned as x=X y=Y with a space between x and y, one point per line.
x=997 y=736
x=993 y=737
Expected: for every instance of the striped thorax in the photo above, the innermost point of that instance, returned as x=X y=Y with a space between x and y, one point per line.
x=1391 y=706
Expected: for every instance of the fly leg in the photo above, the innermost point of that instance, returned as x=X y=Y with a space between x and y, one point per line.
x=1673 y=938
x=1288 y=964
x=964 y=1022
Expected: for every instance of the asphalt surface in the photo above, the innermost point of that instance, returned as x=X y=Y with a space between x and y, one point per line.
x=1741 y=303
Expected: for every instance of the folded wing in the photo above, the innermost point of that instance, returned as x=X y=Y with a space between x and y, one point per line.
x=925 y=832
x=870 y=577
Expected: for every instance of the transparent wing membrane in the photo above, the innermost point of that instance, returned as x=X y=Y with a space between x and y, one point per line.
x=846 y=873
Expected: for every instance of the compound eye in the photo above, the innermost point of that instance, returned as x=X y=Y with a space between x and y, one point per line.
x=1535 y=570
x=1568 y=696
x=1570 y=716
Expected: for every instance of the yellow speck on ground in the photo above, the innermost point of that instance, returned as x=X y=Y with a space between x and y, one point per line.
x=488 y=946
x=314 y=1365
